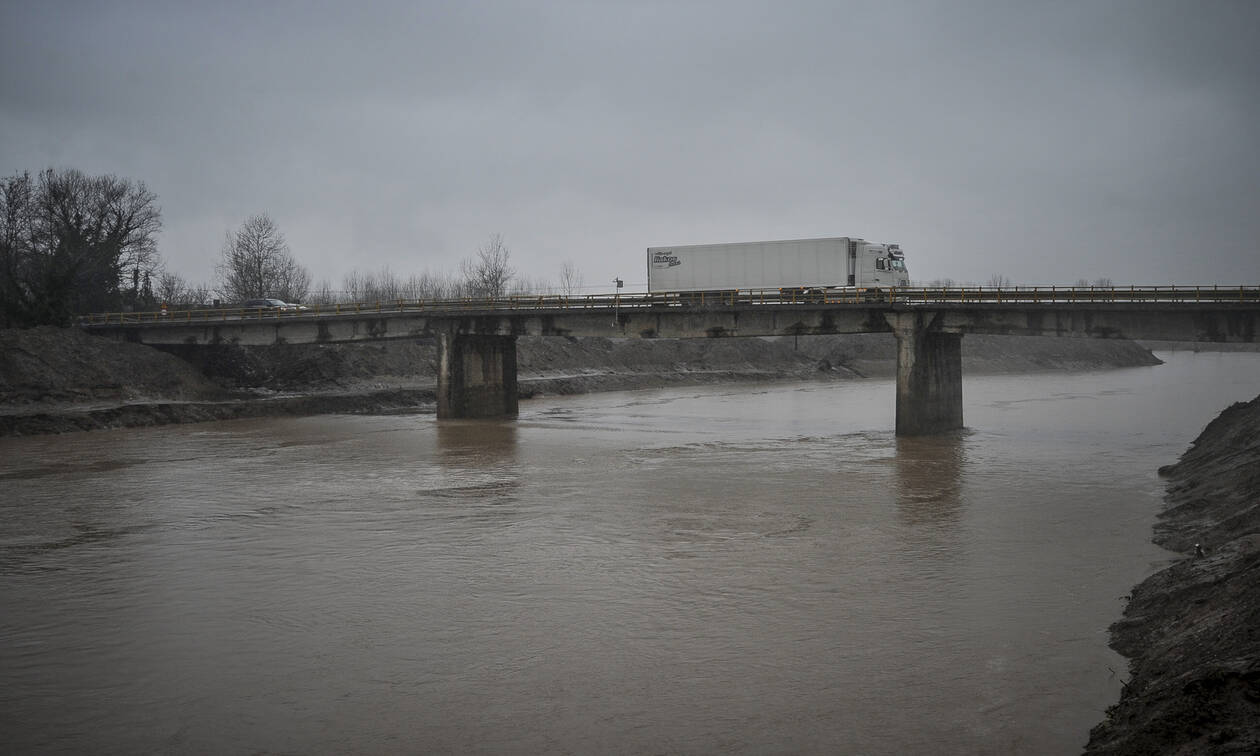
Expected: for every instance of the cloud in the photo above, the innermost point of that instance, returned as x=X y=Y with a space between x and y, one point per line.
x=1044 y=142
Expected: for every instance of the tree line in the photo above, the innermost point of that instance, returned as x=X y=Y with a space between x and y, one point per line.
x=72 y=244
x=999 y=281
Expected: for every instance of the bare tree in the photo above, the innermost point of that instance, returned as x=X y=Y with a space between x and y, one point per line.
x=373 y=287
x=173 y=290
x=489 y=273
x=570 y=279
x=999 y=281
x=431 y=286
x=294 y=282
x=1103 y=283
x=524 y=286
x=388 y=286
x=198 y=296
x=323 y=294
x=354 y=286
x=257 y=263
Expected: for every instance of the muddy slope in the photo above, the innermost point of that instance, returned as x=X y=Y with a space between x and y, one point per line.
x=48 y=366
x=561 y=365
x=1192 y=631
x=54 y=380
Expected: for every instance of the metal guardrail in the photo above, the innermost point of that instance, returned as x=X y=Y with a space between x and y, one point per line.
x=706 y=299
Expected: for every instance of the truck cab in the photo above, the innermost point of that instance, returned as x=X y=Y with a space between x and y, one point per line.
x=877 y=265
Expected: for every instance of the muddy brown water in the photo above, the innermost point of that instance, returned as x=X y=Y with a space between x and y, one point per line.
x=753 y=569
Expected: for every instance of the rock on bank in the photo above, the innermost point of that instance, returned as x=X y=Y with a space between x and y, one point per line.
x=1192 y=631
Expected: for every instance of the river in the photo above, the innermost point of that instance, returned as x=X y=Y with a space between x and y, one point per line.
x=727 y=569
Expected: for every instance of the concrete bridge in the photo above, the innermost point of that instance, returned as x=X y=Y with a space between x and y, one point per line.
x=477 y=338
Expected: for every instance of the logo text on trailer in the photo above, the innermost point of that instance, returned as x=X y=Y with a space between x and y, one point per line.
x=665 y=260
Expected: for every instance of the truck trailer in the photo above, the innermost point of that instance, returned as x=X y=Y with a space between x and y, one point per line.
x=837 y=263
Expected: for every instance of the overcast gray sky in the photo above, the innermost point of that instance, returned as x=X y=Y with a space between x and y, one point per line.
x=1044 y=141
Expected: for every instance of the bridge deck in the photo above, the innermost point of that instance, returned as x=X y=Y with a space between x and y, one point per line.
x=1184 y=314
x=553 y=304
x=477 y=338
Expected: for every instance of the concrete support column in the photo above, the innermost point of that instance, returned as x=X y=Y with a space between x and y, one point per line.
x=476 y=376
x=929 y=375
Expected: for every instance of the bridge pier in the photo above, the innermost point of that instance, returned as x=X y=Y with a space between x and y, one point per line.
x=476 y=376
x=929 y=375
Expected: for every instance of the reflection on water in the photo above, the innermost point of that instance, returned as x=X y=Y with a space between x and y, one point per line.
x=929 y=477
x=476 y=442
x=478 y=462
x=761 y=570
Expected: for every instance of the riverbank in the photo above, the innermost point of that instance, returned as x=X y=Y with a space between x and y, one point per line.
x=1192 y=631
x=1199 y=346
x=56 y=380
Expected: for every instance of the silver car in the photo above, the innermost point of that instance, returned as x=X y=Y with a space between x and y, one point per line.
x=276 y=305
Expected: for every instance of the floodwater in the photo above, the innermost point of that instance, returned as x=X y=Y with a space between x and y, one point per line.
x=741 y=570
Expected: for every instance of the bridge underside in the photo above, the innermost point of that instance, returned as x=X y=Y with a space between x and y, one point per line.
x=477 y=376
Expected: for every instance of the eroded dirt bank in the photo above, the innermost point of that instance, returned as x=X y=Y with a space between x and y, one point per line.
x=1192 y=631
x=54 y=380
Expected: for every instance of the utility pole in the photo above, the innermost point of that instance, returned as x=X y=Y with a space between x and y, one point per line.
x=617 y=282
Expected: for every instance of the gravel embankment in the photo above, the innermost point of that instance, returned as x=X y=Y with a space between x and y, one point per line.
x=1192 y=631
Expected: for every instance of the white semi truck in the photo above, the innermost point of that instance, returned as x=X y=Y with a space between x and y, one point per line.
x=796 y=264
